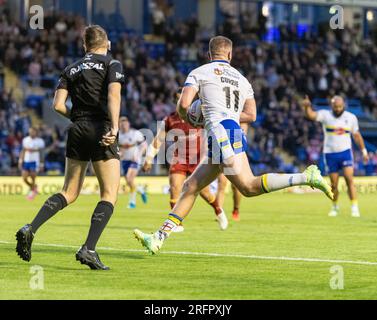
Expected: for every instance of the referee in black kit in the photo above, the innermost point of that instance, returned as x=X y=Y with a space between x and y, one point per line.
x=94 y=85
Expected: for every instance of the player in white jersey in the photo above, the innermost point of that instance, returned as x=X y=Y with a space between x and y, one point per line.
x=227 y=99
x=31 y=160
x=338 y=127
x=132 y=145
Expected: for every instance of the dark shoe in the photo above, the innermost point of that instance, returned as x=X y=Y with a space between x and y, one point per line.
x=90 y=258
x=24 y=238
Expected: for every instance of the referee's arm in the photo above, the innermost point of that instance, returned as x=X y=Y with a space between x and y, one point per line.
x=113 y=100
x=114 y=97
x=59 y=103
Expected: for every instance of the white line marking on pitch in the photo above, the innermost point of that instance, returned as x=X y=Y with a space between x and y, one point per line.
x=209 y=254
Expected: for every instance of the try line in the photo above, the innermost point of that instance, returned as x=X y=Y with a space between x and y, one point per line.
x=209 y=254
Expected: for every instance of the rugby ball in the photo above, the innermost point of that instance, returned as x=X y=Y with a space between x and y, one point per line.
x=195 y=115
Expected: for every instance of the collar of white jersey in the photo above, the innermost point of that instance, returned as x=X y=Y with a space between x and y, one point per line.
x=222 y=61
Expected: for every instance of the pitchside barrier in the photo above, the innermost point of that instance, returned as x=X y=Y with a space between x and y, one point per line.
x=155 y=185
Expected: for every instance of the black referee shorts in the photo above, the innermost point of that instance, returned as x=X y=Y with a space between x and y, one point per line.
x=83 y=142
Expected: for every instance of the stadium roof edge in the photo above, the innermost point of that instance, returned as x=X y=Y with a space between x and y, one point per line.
x=355 y=3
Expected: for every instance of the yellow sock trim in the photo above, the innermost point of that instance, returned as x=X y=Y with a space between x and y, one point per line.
x=175 y=220
x=354 y=202
x=264 y=183
x=210 y=201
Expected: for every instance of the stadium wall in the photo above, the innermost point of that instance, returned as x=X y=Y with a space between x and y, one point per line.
x=155 y=185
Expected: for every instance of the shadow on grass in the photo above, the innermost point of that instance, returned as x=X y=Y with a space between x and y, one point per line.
x=15 y=262
x=113 y=254
x=86 y=226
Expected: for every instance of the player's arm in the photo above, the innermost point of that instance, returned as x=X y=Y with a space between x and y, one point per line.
x=21 y=159
x=249 y=112
x=361 y=144
x=41 y=157
x=143 y=147
x=309 y=112
x=59 y=103
x=154 y=147
x=185 y=101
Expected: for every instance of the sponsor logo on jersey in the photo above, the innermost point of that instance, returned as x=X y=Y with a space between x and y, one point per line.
x=86 y=66
x=338 y=131
x=118 y=75
x=230 y=73
x=218 y=72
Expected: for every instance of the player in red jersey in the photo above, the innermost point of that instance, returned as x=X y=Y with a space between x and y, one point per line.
x=186 y=157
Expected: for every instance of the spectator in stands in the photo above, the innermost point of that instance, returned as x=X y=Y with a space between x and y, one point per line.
x=279 y=74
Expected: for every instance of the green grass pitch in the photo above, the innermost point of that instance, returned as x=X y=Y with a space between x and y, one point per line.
x=244 y=262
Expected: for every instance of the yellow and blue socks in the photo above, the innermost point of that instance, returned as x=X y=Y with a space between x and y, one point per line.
x=274 y=181
x=132 y=195
x=168 y=226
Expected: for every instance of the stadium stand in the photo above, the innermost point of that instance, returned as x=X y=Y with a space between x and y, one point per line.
x=156 y=65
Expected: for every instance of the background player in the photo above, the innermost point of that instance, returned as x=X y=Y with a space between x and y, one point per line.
x=91 y=137
x=338 y=126
x=190 y=140
x=227 y=99
x=31 y=160
x=222 y=183
x=132 y=145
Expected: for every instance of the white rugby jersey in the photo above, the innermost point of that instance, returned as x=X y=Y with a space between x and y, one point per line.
x=132 y=137
x=222 y=90
x=36 y=145
x=337 y=131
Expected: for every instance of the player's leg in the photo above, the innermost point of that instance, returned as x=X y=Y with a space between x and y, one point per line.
x=229 y=145
x=222 y=183
x=236 y=203
x=130 y=179
x=334 y=179
x=33 y=187
x=348 y=176
x=211 y=199
x=74 y=177
x=176 y=180
x=204 y=174
x=236 y=193
x=26 y=178
x=251 y=186
x=108 y=175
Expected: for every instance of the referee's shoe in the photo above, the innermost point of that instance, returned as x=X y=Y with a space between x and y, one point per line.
x=24 y=238
x=90 y=258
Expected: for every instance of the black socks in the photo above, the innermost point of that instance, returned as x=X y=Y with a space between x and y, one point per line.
x=48 y=210
x=100 y=218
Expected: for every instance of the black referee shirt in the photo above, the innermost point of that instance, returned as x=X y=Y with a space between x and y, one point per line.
x=87 y=83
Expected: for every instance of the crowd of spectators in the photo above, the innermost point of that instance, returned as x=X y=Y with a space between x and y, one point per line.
x=279 y=72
